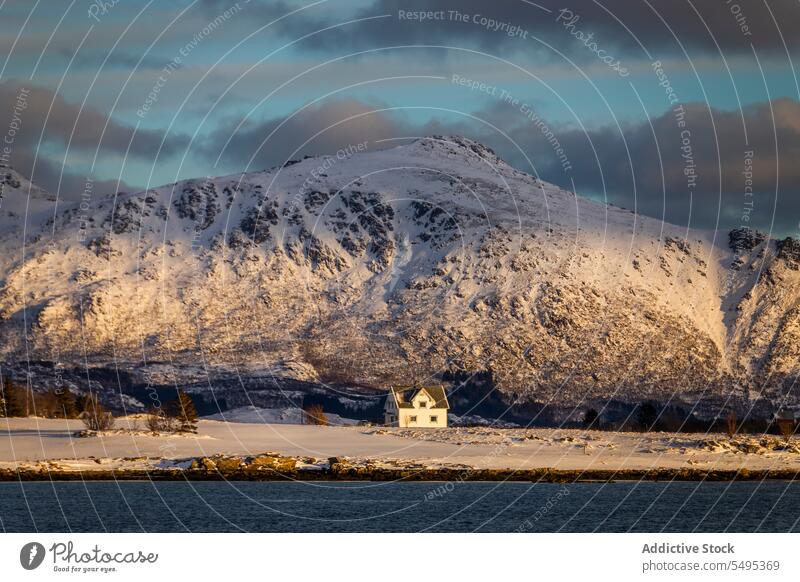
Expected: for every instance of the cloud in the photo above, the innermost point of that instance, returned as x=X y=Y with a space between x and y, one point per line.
x=66 y=124
x=121 y=60
x=274 y=141
x=704 y=173
x=61 y=180
x=643 y=166
x=687 y=169
x=39 y=122
x=660 y=26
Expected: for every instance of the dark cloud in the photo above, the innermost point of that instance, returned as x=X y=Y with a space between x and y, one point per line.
x=66 y=124
x=122 y=60
x=649 y=165
x=292 y=20
x=660 y=26
x=39 y=122
x=639 y=166
x=58 y=179
x=274 y=141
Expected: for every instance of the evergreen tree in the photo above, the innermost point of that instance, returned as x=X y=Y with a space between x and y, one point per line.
x=184 y=411
x=65 y=403
x=12 y=399
x=647 y=416
x=590 y=419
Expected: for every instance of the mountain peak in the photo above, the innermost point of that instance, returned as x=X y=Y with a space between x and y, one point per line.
x=12 y=180
x=452 y=146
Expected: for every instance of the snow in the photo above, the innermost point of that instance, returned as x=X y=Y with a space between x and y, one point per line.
x=256 y=415
x=24 y=442
x=432 y=252
x=475 y=420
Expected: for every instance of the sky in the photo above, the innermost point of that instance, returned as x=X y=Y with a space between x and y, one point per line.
x=685 y=111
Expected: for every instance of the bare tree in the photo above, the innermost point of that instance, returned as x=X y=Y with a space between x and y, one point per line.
x=314 y=414
x=159 y=421
x=786 y=427
x=94 y=416
x=731 y=424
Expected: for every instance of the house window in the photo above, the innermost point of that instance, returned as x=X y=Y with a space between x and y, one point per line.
x=412 y=419
x=423 y=403
x=434 y=419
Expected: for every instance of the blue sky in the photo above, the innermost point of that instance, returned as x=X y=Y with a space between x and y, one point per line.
x=248 y=67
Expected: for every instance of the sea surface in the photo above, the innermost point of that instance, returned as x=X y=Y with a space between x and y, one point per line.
x=142 y=506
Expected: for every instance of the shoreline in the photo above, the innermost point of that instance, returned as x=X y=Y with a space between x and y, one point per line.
x=279 y=468
x=57 y=450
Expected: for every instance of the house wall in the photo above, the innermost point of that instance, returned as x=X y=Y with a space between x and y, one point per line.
x=390 y=412
x=423 y=417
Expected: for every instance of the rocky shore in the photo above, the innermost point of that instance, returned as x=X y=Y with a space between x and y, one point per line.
x=276 y=467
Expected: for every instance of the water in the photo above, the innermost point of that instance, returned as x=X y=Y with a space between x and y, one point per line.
x=398 y=507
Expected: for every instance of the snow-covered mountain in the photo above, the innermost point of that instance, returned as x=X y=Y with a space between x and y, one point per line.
x=394 y=264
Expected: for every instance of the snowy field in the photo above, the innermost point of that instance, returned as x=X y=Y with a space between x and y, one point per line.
x=26 y=442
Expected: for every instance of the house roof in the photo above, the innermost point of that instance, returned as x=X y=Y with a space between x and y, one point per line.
x=404 y=395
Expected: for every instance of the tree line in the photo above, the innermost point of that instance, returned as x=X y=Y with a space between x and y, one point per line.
x=21 y=401
x=649 y=416
x=16 y=401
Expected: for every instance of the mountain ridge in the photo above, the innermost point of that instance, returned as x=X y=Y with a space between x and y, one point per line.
x=397 y=264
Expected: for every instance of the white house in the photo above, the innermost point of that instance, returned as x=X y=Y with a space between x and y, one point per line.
x=418 y=406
